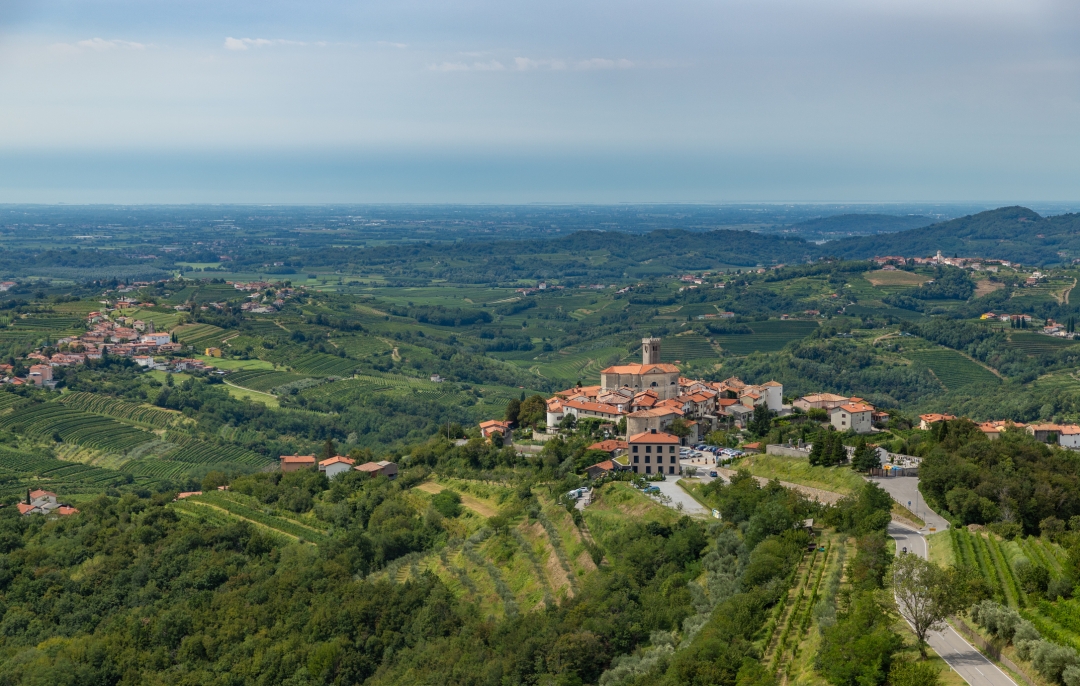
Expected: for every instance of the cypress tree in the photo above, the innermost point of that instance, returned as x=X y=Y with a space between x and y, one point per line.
x=817 y=450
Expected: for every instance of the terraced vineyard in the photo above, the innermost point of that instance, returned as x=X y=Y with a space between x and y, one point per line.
x=360 y=346
x=200 y=335
x=263 y=380
x=767 y=336
x=9 y=400
x=155 y=469
x=996 y=560
x=74 y=426
x=321 y=364
x=52 y=324
x=1036 y=344
x=314 y=364
x=245 y=508
x=53 y=469
x=585 y=364
x=953 y=369
x=118 y=409
x=687 y=347
x=200 y=452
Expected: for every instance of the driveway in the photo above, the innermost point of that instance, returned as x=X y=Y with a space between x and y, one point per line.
x=671 y=488
x=968 y=662
x=904 y=490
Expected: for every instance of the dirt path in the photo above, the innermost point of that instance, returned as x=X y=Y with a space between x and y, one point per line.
x=824 y=497
x=479 y=507
x=1065 y=293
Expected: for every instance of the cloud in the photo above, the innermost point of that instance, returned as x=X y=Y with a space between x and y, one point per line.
x=102 y=44
x=526 y=64
x=493 y=65
x=399 y=46
x=246 y=43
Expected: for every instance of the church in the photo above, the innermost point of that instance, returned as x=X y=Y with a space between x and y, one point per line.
x=650 y=374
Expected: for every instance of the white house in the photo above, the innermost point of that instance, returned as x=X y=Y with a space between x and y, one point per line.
x=156 y=338
x=1069 y=436
x=853 y=416
x=335 y=465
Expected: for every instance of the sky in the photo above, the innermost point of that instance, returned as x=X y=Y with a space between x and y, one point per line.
x=501 y=101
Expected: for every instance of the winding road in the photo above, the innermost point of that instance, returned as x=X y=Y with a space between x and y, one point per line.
x=968 y=662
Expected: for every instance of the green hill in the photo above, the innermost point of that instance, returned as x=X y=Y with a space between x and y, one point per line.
x=1008 y=233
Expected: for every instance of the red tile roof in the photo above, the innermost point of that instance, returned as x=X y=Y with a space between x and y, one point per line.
x=336 y=459
x=609 y=445
x=650 y=437
x=298 y=459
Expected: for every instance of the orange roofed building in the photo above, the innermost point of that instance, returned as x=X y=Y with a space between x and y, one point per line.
x=380 y=468
x=493 y=426
x=650 y=374
x=654 y=452
x=927 y=420
x=294 y=463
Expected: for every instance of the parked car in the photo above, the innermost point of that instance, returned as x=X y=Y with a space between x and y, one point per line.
x=713 y=474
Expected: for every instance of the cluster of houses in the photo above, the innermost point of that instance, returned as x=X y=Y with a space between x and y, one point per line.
x=975 y=263
x=338 y=464
x=44 y=502
x=1065 y=435
x=652 y=395
x=845 y=413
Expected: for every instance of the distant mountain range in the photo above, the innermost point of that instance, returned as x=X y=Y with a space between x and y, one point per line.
x=1008 y=233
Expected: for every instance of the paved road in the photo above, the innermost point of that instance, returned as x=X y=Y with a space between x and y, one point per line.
x=904 y=490
x=968 y=662
x=671 y=488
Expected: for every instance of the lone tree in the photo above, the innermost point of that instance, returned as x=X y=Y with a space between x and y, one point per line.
x=927 y=594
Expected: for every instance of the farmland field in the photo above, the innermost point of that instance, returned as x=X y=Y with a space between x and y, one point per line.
x=118 y=409
x=47 y=324
x=881 y=277
x=75 y=426
x=1036 y=343
x=206 y=453
x=953 y=369
x=200 y=335
x=768 y=336
x=263 y=380
x=686 y=347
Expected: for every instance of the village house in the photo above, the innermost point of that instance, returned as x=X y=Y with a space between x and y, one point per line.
x=336 y=465
x=40 y=374
x=601 y=469
x=928 y=420
x=294 y=463
x=655 y=419
x=495 y=426
x=381 y=468
x=821 y=401
x=612 y=447
x=994 y=429
x=652 y=451
x=853 y=416
x=1065 y=435
x=43 y=502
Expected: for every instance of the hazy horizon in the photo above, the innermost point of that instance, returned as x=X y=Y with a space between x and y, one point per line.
x=120 y=101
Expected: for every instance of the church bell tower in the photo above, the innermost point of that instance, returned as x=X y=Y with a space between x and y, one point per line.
x=650 y=351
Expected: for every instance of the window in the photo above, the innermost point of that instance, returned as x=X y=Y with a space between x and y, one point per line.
x=671 y=449
x=635 y=459
x=635 y=469
x=672 y=459
x=647 y=459
x=671 y=470
x=648 y=448
x=635 y=448
x=648 y=470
